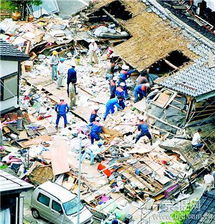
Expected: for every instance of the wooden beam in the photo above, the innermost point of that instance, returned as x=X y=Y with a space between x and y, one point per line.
x=190 y=102
x=170 y=64
x=162 y=121
x=112 y=17
x=85 y=90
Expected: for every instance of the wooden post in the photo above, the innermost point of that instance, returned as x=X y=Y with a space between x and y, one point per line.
x=190 y=101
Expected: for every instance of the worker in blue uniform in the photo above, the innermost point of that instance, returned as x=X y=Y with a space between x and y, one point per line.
x=122 y=91
x=144 y=130
x=96 y=129
x=62 y=109
x=71 y=77
x=118 y=102
x=112 y=85
x=125 y=73
x=140 y=91
x=94 y=114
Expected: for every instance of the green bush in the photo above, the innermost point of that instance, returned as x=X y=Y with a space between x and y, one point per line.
x=180 y=216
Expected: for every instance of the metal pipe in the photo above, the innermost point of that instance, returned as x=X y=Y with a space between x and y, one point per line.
x=79 y=181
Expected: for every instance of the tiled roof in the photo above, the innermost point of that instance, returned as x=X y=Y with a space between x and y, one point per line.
x=195 y=80
x=9 y=52
x=10 y=183
x=204 y=211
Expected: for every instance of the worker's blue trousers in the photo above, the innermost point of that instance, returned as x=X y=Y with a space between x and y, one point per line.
x=94 y=136
x=138 y=95
x=122 y=104
x=143 y=134
x=58 y=119
x=108 y=111
x=112 y=91
x=54 y=72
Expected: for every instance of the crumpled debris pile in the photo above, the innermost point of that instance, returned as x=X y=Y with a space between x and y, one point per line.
x=32 y=146
x=51 y=30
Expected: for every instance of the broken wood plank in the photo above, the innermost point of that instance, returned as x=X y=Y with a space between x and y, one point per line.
x=6 y=130
x=162 y=121
x=13 y=129
x=85 y=90
x=23 y=135
x=36 y=141
x=59 y=156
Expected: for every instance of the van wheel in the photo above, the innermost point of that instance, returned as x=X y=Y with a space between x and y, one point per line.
x=35 y=214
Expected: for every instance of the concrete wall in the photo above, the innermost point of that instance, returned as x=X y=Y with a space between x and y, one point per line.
x=7 y=104
x=8 y=67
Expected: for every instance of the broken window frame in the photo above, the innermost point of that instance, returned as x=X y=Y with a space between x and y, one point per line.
x=11 y=92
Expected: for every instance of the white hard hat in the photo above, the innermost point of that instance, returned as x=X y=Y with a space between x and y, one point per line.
x=125 y=67
x=114 y=78
x=61 y=98
x=96 y=108
x=98 y=119
x=147 y=84
x=141 y=118
x=122 y=84
x=73 y=64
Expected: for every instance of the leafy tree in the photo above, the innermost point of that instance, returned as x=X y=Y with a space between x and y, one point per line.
x=20 y=5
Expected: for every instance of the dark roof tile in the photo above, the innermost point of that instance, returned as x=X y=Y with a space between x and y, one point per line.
x=9 y=52
x=204 y=210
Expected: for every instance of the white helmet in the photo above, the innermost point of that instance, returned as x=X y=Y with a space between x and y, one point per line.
x=125 y=67
x=98 y=119
x=96 y=108
x=114 y=78
x=147 y=84
x=122 y=84
x=141 y=118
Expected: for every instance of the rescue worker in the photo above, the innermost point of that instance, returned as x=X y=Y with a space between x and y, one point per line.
x=72 y=95
x=96 y=129
x=196 y=140
x=122 y=91
x=118 y=102
x=112 y=85
x=54 y=64
x=140 y=91
x=62 y=109
x=71 y=77
x=61 y=73
x=93 y=51
x=125 y=73
x=142 y=78
x=94 y=114
x=144 y=130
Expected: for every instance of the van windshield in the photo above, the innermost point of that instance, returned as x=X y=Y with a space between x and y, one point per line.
x=71 y=207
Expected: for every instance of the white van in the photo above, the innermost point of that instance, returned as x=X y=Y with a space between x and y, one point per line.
x=58 y=205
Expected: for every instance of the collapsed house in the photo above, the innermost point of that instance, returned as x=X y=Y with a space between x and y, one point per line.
x=10 y=64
